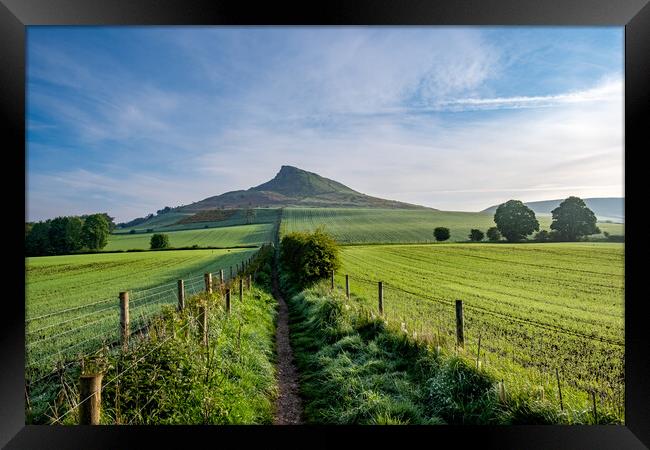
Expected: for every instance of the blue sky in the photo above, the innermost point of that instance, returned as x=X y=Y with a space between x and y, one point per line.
x=130 y=119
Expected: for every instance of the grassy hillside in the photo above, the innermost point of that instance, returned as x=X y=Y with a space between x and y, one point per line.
x=293 y=186
x=356 y=225
x=536 y=307
x=169 y=221
x=211 y=237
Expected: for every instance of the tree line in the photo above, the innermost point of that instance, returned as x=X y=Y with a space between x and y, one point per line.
x=572 y=221
x=68 y=234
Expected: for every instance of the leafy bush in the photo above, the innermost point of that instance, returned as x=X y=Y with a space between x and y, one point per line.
x=476 y=235
x=493 y=234
x=159 y=241
x=441 y=233
x=542 y=236
x=308 y=257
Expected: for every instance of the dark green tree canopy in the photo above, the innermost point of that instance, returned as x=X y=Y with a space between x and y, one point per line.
x=159 y=241
x=515 y=220
x=476 y=235
x=95 y=231
x=441 y=233
x=37 y=242
x=573 y=220
x=65 y=235
x=493 y=234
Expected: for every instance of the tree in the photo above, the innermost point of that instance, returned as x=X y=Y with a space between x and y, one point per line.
x=476 y=235
x=308 y=257
x=95 y=231
x=573 y=220
x=159 y=241
x=37 y=242
x=65 y=235
x=515 y=220
x=441 y=233
x=493 y=234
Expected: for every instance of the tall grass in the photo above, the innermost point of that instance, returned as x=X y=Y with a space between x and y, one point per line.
x=357 y=369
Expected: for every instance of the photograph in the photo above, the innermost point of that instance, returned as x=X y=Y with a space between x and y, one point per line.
x=325 y=225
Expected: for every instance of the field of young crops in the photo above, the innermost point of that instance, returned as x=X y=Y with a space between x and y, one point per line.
x=366 y=226
x=257 y=234
x=535 y=307
x=72 y=303
x=167 y=222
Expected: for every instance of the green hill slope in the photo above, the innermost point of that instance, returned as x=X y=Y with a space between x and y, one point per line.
x=296 y=187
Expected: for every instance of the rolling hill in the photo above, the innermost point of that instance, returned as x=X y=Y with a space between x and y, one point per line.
x=295 y=187
x=605 y=208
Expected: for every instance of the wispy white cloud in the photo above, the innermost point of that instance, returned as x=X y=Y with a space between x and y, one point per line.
x=410 y=114
x=605 y=91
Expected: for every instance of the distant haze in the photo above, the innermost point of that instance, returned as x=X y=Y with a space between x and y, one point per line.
x=127 y=120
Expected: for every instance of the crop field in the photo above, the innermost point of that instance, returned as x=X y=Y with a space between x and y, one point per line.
x=535 y=308
x=257 y=234
x=369 y=226
x=72 y=301
x=168 y=222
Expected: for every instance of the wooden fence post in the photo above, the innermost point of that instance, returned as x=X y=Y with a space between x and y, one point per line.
x=228 y=300
x=347 y=286
x=241 y=289
x=559 y=388
x=203 y=323
x=248 y=284
x=181 y=295
x=381 y=297
x=460 y=335
x=208 y=282
x=124 y=319
x=230 y=273
x=90 y=396
x=221 y=276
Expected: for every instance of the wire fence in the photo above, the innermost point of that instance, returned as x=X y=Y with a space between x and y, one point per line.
x=525 y=351
x=54 y=339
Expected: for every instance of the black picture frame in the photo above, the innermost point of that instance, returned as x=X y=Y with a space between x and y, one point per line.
x=634 y=15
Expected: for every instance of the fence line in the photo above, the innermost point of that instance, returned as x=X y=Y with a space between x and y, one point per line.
x=548 y=327
x=59 y=419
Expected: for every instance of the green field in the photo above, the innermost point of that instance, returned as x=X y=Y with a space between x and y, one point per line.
x=72 y=301
x=368 y=226
x=233 y=236
x=167 y=222
x=536 y=307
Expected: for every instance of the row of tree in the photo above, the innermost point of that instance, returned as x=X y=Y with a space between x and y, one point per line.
x=68 y=234
x=572 y=220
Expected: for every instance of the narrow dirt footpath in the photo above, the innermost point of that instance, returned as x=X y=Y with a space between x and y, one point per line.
x=288 y=407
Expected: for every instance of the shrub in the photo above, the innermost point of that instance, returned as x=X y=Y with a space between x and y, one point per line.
x=476 y=235
x=159 y=241
x=493 y=234
x=132 y=232
x=308 y=257
x=441 y=233
x=542 y=236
